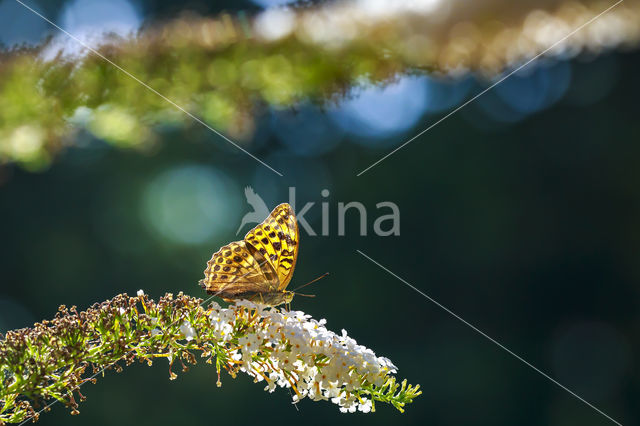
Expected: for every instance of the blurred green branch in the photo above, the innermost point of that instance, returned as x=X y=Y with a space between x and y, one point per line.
x=225 y=69
x=49 y=362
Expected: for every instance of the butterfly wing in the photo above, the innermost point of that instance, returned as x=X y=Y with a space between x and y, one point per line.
x=276 y=239
x=238 y=268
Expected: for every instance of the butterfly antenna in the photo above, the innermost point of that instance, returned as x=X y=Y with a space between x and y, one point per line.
x=305 y=295
x=311 y=282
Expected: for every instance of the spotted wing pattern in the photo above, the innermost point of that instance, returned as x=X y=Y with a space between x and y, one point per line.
x=277 y=239
x=238 y=269
x=263 y=262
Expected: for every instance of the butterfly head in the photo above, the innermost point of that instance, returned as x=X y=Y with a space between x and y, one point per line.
x=273 y=298
x=288 y=296
x=282 y=297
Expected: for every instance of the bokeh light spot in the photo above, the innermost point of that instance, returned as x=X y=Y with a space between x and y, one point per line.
x=526 y=92
x=447 y=94
x=90 y=21
x=272 y=3
x=190 y=204
x=95 y=16
x=381 y=112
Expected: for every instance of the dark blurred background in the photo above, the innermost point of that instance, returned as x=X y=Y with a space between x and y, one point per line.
x=520 y=214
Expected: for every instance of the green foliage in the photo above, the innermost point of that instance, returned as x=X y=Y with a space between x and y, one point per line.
x=44 y=103
x=225 y=70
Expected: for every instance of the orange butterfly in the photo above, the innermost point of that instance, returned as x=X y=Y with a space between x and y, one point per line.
x=260 y=267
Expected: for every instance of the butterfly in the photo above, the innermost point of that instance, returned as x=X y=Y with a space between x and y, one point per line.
x=260 y=267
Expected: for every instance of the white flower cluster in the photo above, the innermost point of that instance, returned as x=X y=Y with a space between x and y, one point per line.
x=292 y=350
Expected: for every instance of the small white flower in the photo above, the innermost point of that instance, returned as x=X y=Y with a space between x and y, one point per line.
x=247 y=304
x=386 y=362
x=214 y=306
x=365 y=406
x=250 y=342
x=140 y=293
x=187 y=330
x=332 y=390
